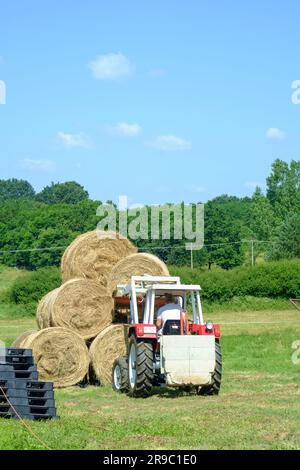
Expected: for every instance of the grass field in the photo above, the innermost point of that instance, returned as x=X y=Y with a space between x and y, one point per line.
x=258 y=407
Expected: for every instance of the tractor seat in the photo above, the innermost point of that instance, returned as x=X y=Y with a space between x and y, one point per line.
x=171 y=327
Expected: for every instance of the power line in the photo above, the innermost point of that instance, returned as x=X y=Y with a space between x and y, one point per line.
x=51 y=248
x=176 y=247
x=170 y=247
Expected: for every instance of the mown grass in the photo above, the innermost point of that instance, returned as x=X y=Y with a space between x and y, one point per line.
x=258 y=407
x=246 y=303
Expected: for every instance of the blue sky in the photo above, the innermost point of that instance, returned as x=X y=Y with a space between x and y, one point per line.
x=157 y=100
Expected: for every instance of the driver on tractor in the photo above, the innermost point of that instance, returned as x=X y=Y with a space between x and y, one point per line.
x=168 y=316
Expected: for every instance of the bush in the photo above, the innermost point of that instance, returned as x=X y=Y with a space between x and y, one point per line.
x=272 y=280
x=28 y=289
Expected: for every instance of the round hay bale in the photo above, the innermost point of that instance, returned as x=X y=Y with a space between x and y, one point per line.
x=18 y=342
x=83 y=306
x=43 y=311
x=60 y=354
x=93 y=254
x=106 y=347
x=137 y=264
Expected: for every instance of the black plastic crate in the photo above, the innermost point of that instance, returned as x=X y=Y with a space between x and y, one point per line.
x=16 y=352
x=38 y=385
x=27 y=401
x=19 y=352
x=30 y=416
x=12 y=360
x=22 y=394
x=26 y=393
x=26 y=384
x=15 y=374
x=27 y=409
x=17 y=367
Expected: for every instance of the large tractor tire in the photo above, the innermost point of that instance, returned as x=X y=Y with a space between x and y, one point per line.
x=120 y=375
x=214 y=387
x=140 y=367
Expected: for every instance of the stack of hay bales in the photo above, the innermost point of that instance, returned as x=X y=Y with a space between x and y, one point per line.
x=76 y=321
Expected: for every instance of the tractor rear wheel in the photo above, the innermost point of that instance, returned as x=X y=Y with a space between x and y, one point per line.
x=140 y=367
x=120 y=375
x=214 y=387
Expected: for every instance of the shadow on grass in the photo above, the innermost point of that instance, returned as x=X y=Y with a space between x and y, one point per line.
x=167 y=392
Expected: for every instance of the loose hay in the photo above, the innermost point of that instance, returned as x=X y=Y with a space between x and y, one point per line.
x=17 y=343
x=93 y=254
x=83 y=306
x=137 y=264
x=43 y=312
x=60 y=354
x=109 y=344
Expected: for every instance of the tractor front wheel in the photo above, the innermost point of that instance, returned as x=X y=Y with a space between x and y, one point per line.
x=214 y=387
x=140 y=367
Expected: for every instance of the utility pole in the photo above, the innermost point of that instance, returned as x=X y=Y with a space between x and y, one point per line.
x=252 y=253
x=192 y=260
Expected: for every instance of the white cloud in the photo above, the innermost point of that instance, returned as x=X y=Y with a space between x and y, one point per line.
x=74 y=140
x=273 y=133
x=171 y=143
x=37 y=165
x=111 y=67
x=128 y=130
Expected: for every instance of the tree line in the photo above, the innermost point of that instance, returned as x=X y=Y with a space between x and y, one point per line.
x=34 y=227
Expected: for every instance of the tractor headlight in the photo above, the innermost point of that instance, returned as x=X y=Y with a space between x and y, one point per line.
x=209 y=326
x=149 y=329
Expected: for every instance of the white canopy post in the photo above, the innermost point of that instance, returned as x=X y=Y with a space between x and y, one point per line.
x=200 y=308
x=195 y=316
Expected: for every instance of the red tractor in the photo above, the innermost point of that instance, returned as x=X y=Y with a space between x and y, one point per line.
x=177 y=352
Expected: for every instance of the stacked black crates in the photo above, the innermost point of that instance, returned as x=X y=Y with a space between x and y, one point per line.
x=21 y=393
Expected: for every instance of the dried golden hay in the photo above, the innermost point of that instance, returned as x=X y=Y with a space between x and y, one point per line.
x=17 y=342
x=43 y=312
x=60 y=354
x=137 y=264
x=83 y=306
x=93 y=254
x=106 y=347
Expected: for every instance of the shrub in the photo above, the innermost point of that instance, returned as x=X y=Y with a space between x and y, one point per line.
x=272 y=280
x=32 y=287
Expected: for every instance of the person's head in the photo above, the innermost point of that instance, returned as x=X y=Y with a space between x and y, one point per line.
x=169 y=298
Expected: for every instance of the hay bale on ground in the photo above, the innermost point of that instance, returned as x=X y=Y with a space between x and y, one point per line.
x=137 y=264
x=83 y=306
x=17 y=342
x=93 y=254
x=60 y=354
x=43 y=312
x=106 y=347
